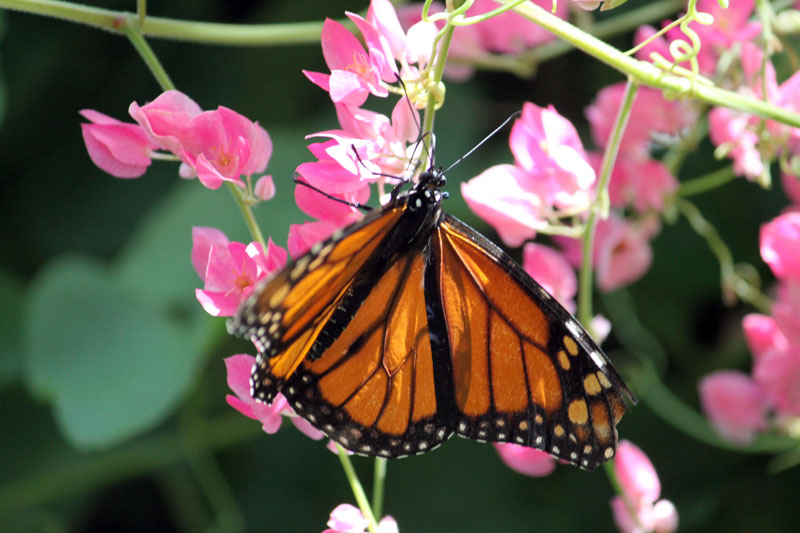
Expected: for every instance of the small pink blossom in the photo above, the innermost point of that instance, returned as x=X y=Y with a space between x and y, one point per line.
x=216 y=146
x=643 y=183
x=355 y=73
x=735 y=404
x=123 y=150
x=730 y=131
x=622 y=251
x=230 y=270
x=548 y=148
x=265 y=188
x=511 y=33
x=303 y=236
x=780 y=246
x=498 y=196
x=549 y=267
x=525 y=460
x=778 y=375
x=346 y=518
x=239 y=368
x=786 y=310
x=638 y=509
x=763 y=335
x=791 y=186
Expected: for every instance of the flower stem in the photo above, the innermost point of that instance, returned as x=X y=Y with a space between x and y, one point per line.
x=378 y=484
x=600 y=204
x=358 y=490
x=240 y=198
x=706 y=183
x=132 y=29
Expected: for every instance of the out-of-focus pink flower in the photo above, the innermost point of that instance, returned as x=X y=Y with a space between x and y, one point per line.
x=216 y=146
x=239 y=368
x=123 y=150
x=780 y=246
x=786 y=310
x=355 y=73
x=729 y=130
x=735 y=404
x=346 y=518
x=763 y=335
x=638 y=509
x=650 y=114
x=641 y=183
x=548 y=267
x=497 y=196
x=230 y=270
x=265 y=188
x=548 y=148
x=791 y=186
x=525 y=460
x=303 y=236
x=622 y=251
x=778 y=375
x=511 y=33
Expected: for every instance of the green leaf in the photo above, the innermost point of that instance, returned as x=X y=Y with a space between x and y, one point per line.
x=112 y=363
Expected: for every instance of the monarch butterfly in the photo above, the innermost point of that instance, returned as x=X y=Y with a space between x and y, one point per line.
x=409 y=326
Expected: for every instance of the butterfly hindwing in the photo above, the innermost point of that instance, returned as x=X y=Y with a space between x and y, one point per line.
x=524 y=370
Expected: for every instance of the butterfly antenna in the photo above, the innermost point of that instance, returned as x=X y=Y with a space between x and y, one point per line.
x=401 y=179
x=498 y=128
x=357 y=205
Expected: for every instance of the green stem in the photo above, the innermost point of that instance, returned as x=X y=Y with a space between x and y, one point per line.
x=600 y=204
x=648 y=74
x=240 y=197
x=706 y=183
x=131 y=27
x=378 y=485
x=730 y=280
x=358 y=490
x=178 y=30
x=217 y=490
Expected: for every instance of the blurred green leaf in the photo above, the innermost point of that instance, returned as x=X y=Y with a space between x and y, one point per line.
x=111 y=363
x=11 y=357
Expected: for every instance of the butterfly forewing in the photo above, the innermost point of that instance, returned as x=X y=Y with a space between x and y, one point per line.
x=524 y=370
x=285 y=316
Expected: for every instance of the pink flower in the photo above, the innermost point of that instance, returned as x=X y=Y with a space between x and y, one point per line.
x=650 y=114
x=265 y=188
x=548 y=148
x=217 y=146
x=525 y=460
x=643 y=183
x=548 y=267
x=123 y=150
x=763 y=335
x=638 y=508
x=735 y=404
x=786 y=310
x=511 y=33
x=230 y=270
x=622 y=251
x=780 y=246
x=730 y=131
x=239 y=368
x=346 y=518
x=498 y=196
x=355 y=73
x=791 y=186
x=778 y=374
x=303 y=236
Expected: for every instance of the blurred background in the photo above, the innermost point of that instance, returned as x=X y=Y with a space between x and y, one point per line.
x=112 y=381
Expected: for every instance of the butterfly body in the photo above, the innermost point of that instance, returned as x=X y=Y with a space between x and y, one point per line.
x=409 y=326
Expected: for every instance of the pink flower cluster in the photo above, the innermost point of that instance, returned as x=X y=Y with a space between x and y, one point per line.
x=346 y=518
x=214 y=146
x=739 y=136
x=740 y=405
x=638 y=509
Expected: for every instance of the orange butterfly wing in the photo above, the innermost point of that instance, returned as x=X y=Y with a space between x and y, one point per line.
x=524 y=371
